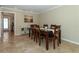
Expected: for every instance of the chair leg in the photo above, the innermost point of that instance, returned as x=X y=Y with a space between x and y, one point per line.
x=57 y=42
x=36 y=39
x=60 y=37
x=42 y=39
x=32 y=36
x=53 y=43
x=39 y=41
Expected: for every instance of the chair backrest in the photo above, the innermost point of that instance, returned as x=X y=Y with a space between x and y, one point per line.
x=58 y=30
x=58 y=27
x=33 y=28
x=37 y=26
x=32 y=25
x=52 y=26
x=45 y=26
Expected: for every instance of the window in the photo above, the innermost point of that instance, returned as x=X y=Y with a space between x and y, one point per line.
x=5 y=23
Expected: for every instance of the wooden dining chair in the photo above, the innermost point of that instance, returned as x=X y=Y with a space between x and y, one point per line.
x=56 y=36
x=52 y=26
x=39 y=36
x=46 y=35
x=52 y=36
x=33 y=32
x=58 y=33
x=45 y=26
x=36 y=32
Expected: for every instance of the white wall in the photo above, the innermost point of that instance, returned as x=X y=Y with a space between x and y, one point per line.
x=67 y=17
x=0 y=24
x=19 y=19
x=19 y=22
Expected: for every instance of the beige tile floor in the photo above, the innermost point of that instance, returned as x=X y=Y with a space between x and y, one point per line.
x=24 y=44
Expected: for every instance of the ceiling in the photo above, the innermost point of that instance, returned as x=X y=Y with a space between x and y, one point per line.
x=34 y=8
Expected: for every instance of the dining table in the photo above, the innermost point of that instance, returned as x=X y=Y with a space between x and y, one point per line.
x=46 y=31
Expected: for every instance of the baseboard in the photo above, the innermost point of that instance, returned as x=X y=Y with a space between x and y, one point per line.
x=20 y=34
x=17 y=34
x=77 y=43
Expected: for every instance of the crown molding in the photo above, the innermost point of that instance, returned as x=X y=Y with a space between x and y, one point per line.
x=31 y=12
x=16 y=10
x=53 y=8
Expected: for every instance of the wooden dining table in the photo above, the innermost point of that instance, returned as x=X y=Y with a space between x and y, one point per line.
x=45 y=31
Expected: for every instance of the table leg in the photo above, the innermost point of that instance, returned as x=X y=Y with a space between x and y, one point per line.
x=47 y=43
x=29 y=32
x=60 y=37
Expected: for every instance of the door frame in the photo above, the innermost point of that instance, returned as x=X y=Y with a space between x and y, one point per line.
x=2 y=17
x=8 y=24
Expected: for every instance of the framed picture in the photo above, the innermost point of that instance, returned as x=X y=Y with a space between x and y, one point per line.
x=28 y=18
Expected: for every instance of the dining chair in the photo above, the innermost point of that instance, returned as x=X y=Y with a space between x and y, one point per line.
x=33 y=31
x=58 y=33
x=47 y=35
x=36 y=32
x=52 y=26
x=45 y=26
x=39 y=36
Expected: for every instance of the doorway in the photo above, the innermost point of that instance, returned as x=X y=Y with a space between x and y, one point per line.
x=7 y=25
